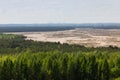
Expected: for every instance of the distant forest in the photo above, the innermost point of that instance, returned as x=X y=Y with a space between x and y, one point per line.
x=54 y=27
x=22 y=59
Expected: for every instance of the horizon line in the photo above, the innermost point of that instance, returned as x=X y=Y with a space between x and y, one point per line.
x=63 y=23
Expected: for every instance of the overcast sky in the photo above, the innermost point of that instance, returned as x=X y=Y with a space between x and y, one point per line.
x=59 y=11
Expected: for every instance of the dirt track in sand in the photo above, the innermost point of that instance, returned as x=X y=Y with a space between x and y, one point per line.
x=82 y=36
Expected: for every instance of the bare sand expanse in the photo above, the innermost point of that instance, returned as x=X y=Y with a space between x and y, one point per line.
x=82 y=36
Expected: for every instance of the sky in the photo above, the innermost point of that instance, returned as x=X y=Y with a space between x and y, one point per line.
x=59 y=11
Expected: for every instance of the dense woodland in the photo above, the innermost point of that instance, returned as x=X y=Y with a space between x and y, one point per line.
x=22 y=59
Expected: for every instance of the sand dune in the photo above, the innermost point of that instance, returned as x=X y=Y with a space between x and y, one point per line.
x=82 y=36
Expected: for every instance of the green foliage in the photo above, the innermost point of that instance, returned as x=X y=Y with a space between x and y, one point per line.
x=29 y=60
x=55 y=66
x=9 y=36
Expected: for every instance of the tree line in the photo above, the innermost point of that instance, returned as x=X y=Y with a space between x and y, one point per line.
x=22 y=59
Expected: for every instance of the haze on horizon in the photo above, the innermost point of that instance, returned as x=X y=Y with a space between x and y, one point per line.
x=59 y=11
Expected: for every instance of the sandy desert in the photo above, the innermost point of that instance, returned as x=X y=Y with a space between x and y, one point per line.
x=82 y=36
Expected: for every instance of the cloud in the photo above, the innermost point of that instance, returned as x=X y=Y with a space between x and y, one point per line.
x=59 y=10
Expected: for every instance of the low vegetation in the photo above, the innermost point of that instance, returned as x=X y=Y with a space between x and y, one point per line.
x=22 y=59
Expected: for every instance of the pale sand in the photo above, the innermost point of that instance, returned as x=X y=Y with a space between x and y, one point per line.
x=86 y=37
